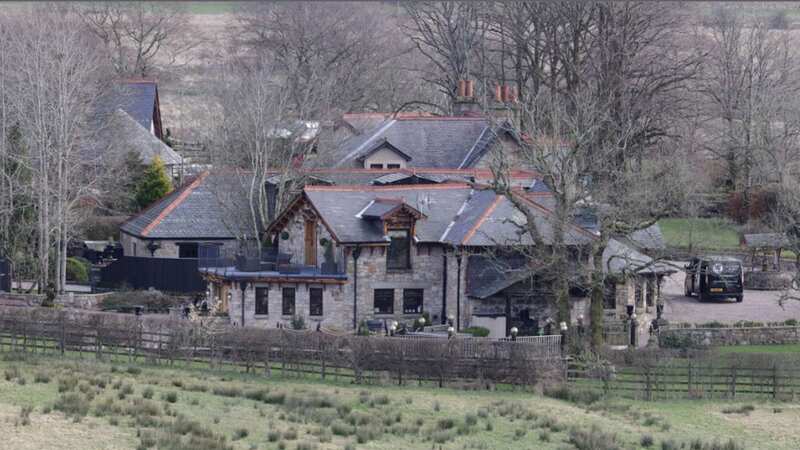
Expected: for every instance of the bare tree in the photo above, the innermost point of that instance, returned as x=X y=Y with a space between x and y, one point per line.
x=141 y=36
x=749 y=85
x=51 y=88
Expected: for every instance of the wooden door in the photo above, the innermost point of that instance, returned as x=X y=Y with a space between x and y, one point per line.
x=311 y=243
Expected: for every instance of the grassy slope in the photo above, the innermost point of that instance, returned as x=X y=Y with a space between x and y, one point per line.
x=770 y=349
x=519 y=426
x=709 y=234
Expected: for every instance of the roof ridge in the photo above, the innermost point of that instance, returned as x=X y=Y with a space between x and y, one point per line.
x=371 y=188
x=174 y=204
x=481 y=219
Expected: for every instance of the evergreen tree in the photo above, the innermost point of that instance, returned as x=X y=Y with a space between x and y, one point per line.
x=155 y=184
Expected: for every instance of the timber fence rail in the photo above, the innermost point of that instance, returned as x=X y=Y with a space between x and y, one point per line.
x=694 y=378
x=363 y=359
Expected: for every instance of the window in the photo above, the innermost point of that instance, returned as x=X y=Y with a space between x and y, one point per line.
x=638 y=297
x=399 y=255
x=134 y=249
x=262 y=301
x=610 y=296
x=384 y=301
x=376 y=166
x=288 y=301
x=315 y=301
x=187 y=250
x=393 y=166
x=412 y=301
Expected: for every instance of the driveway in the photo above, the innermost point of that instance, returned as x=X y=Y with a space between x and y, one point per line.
x=761 y=306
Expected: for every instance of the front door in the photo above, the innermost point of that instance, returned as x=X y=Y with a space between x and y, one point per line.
x=311 y=243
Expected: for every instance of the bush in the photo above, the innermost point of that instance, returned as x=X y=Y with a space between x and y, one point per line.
x=78 y=270
x=594 y=439
x=476 y=331
x=41 y=377
x=151 y=300
x=298 y=323
x=646 y=441
x=676 y=340
x=573 y=395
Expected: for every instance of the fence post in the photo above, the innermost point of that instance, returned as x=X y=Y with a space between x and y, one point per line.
x=689 y=381
x=774 y=381
x=63 y=338
x=733 y=381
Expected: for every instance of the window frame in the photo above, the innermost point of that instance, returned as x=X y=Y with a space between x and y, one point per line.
x=406 y=265
x=378 y=309
x=406 y=297
x=285 y=298
x=311 y=300
x=262 y=301
x=187 y=245
x=394 y=166
x=376 y=166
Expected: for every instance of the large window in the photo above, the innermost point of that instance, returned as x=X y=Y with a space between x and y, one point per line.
x=315 y=301
x=384 y=301
x=412 y=301
x=610 y=295
x=187 y=250
x=262 y=301
x=288 y=301
x=399 y=255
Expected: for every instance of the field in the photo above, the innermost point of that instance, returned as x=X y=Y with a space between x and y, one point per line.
x=708 y=234
x=65 y=403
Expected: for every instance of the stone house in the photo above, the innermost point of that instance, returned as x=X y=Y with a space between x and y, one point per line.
x=394 y=252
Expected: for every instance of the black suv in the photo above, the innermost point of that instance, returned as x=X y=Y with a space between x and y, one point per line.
x=714 y=277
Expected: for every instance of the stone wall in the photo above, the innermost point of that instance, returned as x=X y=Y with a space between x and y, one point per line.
x=705 y=337
x=770 y=281
x=68 y=300
x=134 y=246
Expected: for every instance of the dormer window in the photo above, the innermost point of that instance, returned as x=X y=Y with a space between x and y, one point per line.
x=398 y=257
x=383 y=154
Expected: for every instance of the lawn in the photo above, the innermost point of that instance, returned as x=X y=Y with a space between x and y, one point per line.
x=701 y=233
x=771 y=349
x=65 y=403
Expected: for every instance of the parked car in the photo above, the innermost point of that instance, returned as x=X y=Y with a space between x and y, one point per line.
x=714 y=277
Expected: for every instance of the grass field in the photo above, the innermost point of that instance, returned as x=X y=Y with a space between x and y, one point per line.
x=770 y=349
x=82 y=404
x=708 y=234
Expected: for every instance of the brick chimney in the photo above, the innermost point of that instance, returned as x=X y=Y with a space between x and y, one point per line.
x=505 y=105
x=465 y=103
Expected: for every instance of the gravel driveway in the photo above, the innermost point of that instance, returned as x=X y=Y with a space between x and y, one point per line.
x=761 y=306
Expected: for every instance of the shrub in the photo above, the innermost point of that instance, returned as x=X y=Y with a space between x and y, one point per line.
x=744 y=409
x=11 y=373
x=790 y=323
x=78 y=270
x=273 y=436
x=646 y=441
x=290 y=434
x=147 y=392
x=544 y=436
x=298 y=323
x=476 y=331
x=593 y=439
x=240 y=433
x=41 y=377
x=25 y=415
x=133 y=370
x=669 y=444
x=170 y=397
x=227 y=391
x=676 y=340
x=151 y=300
x=72 y=404
x=573 y=395
x=340 y=428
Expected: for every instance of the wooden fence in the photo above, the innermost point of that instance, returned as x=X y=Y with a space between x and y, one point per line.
x=170 y=341
x=692 y=378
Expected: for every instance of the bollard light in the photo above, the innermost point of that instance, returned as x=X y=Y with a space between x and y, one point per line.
x=450 y=319
x=450 y=332
x=514 y=332
x=563 y=326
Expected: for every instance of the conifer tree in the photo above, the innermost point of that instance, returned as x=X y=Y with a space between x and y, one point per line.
x=155 y=184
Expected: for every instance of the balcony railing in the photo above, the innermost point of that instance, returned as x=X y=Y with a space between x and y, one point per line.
x=250 y=260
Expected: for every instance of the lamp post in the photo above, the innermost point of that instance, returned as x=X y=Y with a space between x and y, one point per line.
x=243 y=287
x=514 y=332
x=633 y=330
x=392 y=328
x=450 y=320
x=563 y=327
x=421 y=322
x=450 y=332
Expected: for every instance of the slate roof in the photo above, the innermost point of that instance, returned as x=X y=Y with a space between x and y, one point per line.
x=436 y=142
x=352 y=175
x=382 y=144
x=454 y=213
x=766 y=240
x=619 y=258
x=487 y=275
x=192 y=211
x=122 y=134
x=138 y=99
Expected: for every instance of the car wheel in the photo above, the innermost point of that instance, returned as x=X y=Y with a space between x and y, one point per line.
x=739 y=298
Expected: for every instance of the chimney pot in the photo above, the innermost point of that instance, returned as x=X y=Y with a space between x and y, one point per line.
x=470 y=89
x=461 y=88
x=506 y=93
x=498 y=96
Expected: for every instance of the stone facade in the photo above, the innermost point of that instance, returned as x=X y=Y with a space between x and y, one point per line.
x=135 y=246
x=333 y=306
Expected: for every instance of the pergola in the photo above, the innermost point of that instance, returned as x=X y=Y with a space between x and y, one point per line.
x=764 y=245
